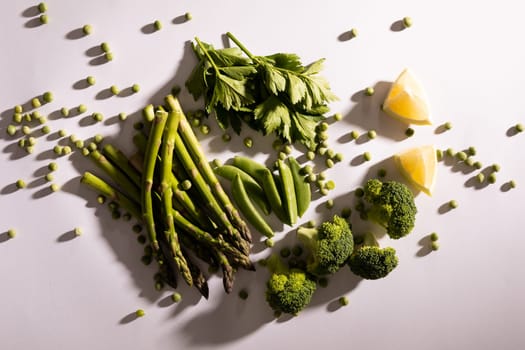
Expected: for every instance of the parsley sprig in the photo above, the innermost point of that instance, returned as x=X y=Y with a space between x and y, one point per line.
x=272 y=94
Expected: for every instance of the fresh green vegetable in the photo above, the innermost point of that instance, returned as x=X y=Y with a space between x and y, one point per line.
x=369 y=91
x=303 y=193
x=273 y=93
x=20 y=183
x=288 y=195
x=287 y=290
x=343 y=301
x=140 y=313
x=328 y=246
x=369 y=261
x=135 y=88
x=391 y=205
x=176 y=297
x=269 y=186
x=114 y=90
x=11 y=233
x=407 y=22
x=87 y=29
x=519 y=127
x=44 y=19
x=453 y=204
x=47 y=96
x=157 y=24
x=250 y=212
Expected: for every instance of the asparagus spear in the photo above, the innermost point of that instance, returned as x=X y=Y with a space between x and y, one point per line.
x=167 y=196
x=118 y=158
x=150 y=159
x=193 y=146
x=198 y=278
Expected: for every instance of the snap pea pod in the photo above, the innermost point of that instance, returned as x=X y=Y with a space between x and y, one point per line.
x=303 y=193
x=248 y=209
x=250 y=166
x=272 y=193
x=253 y=189
x=287 y=192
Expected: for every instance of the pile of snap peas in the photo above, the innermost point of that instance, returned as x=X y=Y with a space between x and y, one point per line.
x=286 y=193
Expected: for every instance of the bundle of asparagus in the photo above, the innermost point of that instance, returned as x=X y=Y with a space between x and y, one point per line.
x=173 y=190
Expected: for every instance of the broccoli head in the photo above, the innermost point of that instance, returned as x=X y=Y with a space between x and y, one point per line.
x=329 y=245
x=371 y=262
x=288 y=290
x=391 y=205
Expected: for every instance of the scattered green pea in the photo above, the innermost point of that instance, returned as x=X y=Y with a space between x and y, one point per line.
x=54 y=188
x=367 y=156
x=101 y=199
x=91 y=80
x=105 y=47
x=11 y=130
x=44 y=19
x=519 y=127
x=310 y=155
x=346 y=212
x=447 y=125
x=11 y=233
x=122 y=116
x=323 y=126
x=461 y=156
x=42 y=7
x=157 y=24
x=269 y=242
x=492 y=178
x=113 y=206
x=453 y=204
x=45 y=129
x=343 y=301
x=49 y=177
x=496 y=167
x=330 y=185
x=48 y=96
x=58 y=150
x=338 y=116
x=62 y=132
x=282 y=155
x=369 y=91
x=21 y=143
x=353 y=32
x=28 y=117
x=18 y=109
x=434 y=237
x=73 y=138
x=176 y=297
x=109 y=56
x=248 y=142
x=135 y=88
x=329 y=163
x=409 y=132
x=82 y=108
x=359 y=192
x=480 y=177
x=26 y=130
x=512 y=184
x=469 y=162
x=17 y=118
x=146 y=259
x=114 y=90
x=98 y=117
x=77 y=231
x=98 y=138
x=243 y=294
x=354 y=134
x=407 y=22
x=30 y=149
x=31 y=141
x=450 y=152
x=92 y=146
x=329 y=203
x=322 y=151
x=185 y=185
x=87 y=29
x=323 y=191
x=188 y=16
x=205 y=130
x=85 y=151
x=35 y=102
x=435 y=246
x=140 y=313
x=322 y=136
x=52 y=166
x=478 y=165
x=79 y=144
x=140 y=238
x=20 y=183
x=471 y=151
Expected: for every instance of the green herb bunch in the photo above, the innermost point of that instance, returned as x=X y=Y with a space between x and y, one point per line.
x=272 y=94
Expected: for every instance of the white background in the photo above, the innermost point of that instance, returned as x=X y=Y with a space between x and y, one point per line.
x=62 y=292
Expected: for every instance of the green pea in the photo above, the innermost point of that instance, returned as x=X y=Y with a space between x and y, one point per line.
x=372 y=134
x=188 y=16
x=81 y=108
x=30 y=149
x=57 y=150
x=471 y=151
x=453 y=204
x=135 y=88
x=35 y=102
x=329 y=163
x=45 y=129
x=185 y=185
x=20 y=183
x=447 y=125
x=409 y=132
x=31 y=141
x=407 y=22
x=54 y=188
x=269 y=242
x=478 y=165
x=323 y=126
x=79 y=144
x=205 y=130
x=18 y=109
x=461 y=156
x=176 y=297
x=226 y=137
x=310 y=155
x=91 y=80
x=77 y=231
x=42 y=7
x=11 y=130
x=62 y=132
x=450 y=152
x=496 y=167
x=122 y=116
x=322 y=136
x=52 y=166
x=512 y=184
x=26 y=130
x=329 y=203
x=48 y=96
x=343 y=301
x=101 y=199
x=381 y=172
x=11 y=233
x=330 y=185
x=17 y=118
x=338 y=116
x=519 y=127
x=322 y=151
x=480 y=177
x=92 y=146
x=114 y=90
x=330 y=153
x=44 y=19
x=323 y=191
x=137 y=228
x=492 y=178
x=87 y=29
x=248 y=142
x=354 y=134
x=98 y=117
x=28 y=117
x=367 y=156
x=157 y=24
x=434 y=237
x=85 y=151
x=98 y=138
x=435 y=246
x=359 y=192
x=66 y=150
x=109 y=56
x=311 y=178
x=297 y=250
x=140 y=313
x=21 y=143
x=105 y=47
x=353 y=32
x=287 y=149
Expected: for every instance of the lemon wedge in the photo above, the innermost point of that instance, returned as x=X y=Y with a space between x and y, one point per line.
x=418 y=166
x=407 y=100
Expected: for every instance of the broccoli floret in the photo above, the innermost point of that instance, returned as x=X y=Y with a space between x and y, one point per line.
x=288 y=290
x=390 y=204
x=370 y=261
x=329 y=245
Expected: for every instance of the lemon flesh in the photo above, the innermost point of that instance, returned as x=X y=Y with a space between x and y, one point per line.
x=407 y=100
x=418 y=166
